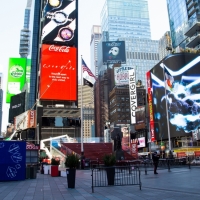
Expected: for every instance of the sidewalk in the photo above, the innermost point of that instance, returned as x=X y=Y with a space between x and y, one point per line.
x=180 y=183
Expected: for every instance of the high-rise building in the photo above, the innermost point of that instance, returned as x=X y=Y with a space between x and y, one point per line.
x=125 y=19
x=165 y=46
x=95 y=37
x=184 y=23
x=34 y=53
x=88 y=110
x=142 y=54
x=25 y=32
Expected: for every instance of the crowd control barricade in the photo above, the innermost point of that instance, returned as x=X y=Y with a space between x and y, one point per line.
x=115 y=176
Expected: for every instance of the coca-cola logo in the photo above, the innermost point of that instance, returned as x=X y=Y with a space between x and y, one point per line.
x=63 y=49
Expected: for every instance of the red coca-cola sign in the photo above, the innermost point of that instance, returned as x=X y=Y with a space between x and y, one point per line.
x=63 y=49
x=58 y=73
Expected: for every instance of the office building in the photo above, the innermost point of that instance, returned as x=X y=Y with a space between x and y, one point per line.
x=142 y=54
x=86 y=93
x=165 y=46
x=184 y=23
x=25 y=33
x=95 y=37
x=34 y=53
x=126 y=19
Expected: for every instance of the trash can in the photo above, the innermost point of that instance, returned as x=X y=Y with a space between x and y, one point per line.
x=33 y=172
x=27 y=172
x=46 y=169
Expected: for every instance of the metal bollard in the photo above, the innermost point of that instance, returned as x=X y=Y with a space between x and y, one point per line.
x=168 y=164
x=145 y=167
x=189 y=162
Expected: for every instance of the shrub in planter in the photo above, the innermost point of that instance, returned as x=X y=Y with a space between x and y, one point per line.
x=109 y=161
x=54 y=166
x=71 y=162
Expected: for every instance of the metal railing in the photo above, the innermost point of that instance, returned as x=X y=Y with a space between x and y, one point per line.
x=115 y=176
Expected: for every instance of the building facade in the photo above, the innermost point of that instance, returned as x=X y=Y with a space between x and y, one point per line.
x=24 y=46
x=128 y=18
x=34 y=53
x=184 y=23
x=86 y=93
x=95 y=37
x=165 y=46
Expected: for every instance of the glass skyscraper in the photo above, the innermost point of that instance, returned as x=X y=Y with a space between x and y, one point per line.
x=125 y=19
x=25 y=32
x=128 y=21
x=34 y=53
x=184 y=23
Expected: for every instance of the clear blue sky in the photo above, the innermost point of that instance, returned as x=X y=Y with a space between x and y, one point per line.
x=89 y=14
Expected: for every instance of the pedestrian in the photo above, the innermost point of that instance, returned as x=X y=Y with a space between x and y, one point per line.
x=155 y=158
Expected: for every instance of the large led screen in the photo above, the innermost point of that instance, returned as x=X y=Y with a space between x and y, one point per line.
x=58 y=73
x=17 y=106
x=180 y=75
x=114 y=52
x=16 y=77
x=60 y=22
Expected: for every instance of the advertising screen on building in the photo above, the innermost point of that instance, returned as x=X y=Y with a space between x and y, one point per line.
x=114 y=52
x=26 y=120
x=122 y=75
x=17 y=106
x=140 y=114
x=16 y=77
x=179 y=74
x=60 y=22
x=58 y=73
x=133 y=95
x=28 y=70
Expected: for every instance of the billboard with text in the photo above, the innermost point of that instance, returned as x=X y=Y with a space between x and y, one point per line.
x=58 y=73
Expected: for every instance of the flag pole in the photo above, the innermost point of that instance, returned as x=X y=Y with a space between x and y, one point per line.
x=82 y=149
x=168 y=128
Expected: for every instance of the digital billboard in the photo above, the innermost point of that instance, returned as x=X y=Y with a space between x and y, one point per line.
x=121 y=75
x=58 y=73
x=17 y=106
x=16 y=77
x=60 y=18
x=25 y=121
x=114 y=52
x=140 y=114
x=175 y=89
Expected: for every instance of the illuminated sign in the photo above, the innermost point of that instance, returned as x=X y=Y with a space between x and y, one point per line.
x=175 y=91
x=60 y=20
x=26 y=120
x=122 y=75
x=114 y=52
x=58 y=73
x=16 y=77
x=133 y=95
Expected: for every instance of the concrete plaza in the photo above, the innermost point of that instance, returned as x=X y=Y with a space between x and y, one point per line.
x=180 y=183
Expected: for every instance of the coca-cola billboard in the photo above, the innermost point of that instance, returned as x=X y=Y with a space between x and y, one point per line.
x=58 y=73
x=60 y=22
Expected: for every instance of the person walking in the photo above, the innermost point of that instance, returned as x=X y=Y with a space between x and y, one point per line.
x=155 y=158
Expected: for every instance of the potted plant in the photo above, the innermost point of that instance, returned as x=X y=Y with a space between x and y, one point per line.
x=71 y=162
x=109 y=162
x=54 y=166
